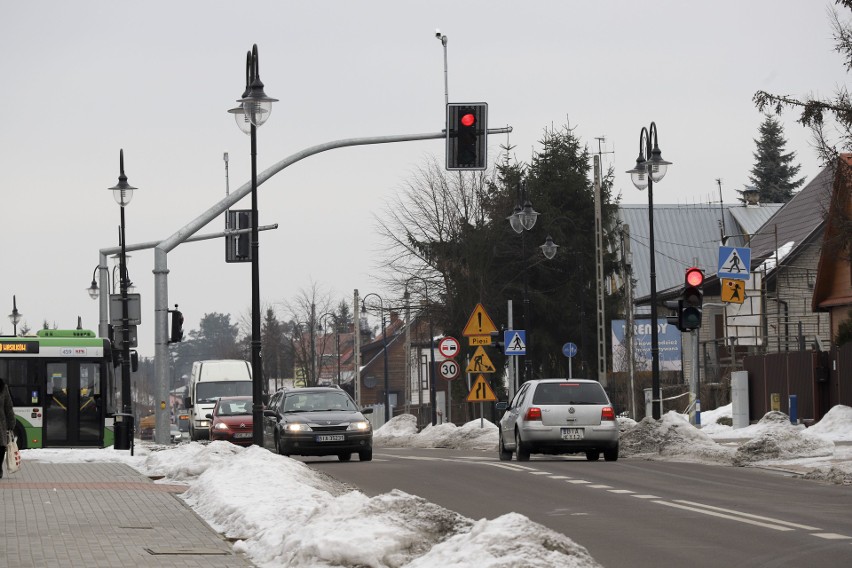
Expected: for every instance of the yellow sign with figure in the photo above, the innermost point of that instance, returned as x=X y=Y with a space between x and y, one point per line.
x=481 y=391
x=480 y=363
x=733 y=291
x=479 y=323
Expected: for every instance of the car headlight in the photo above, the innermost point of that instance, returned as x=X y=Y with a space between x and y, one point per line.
x=221 y=426
x=360 y=425
x=205 y=423
x=297 y=427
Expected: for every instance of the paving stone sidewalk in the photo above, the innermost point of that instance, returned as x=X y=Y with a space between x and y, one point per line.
x=102 y=515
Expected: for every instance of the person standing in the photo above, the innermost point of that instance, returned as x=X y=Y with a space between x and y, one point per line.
x=7 y=421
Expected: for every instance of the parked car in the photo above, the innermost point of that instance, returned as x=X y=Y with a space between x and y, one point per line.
x=231 y=420
x=175 y=434
x=558 y=416
x=317 y=421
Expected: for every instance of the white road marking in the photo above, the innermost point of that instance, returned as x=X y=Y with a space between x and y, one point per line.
x=576 y=481
x=833 y=536
x=645 y=496
x=776 y=527
x=621 y=491
x=769 y=519
x=598 y=486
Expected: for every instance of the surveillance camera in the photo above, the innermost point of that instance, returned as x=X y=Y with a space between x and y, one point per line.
x=437 y=33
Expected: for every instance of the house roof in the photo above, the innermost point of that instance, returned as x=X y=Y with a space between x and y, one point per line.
x=686 y=235
x=796 y=223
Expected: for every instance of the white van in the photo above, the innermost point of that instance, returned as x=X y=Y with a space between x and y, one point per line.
x=210 y=380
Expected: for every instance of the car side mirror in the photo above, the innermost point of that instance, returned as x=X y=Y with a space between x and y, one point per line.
x=210 y=416
x=502 y=406
x=270 y=414
x=367 y=410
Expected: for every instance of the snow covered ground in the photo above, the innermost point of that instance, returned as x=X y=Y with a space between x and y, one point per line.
x=283 y=513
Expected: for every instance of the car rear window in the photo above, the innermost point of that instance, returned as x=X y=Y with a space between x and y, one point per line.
x=569 y=393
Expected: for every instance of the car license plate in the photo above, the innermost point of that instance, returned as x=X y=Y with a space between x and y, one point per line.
x=572 y=433
x=243 y=434
x=331 y=438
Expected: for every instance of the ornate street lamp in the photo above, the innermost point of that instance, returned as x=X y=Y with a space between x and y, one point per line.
x=523 y=219
x=123 y=193
x=650 y=168
x=15 y=316
x=432 y=377
x=255 y=108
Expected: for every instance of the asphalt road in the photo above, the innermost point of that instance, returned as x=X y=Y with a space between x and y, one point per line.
x=631 y=512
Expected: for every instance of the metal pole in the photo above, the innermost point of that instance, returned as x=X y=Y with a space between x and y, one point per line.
x=655 y=346
x=385 y=357
x=433 y=374
x=256 y=365
x=125 y=324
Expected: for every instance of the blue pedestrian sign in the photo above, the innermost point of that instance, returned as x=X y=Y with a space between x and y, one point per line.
x=515 y=342
x=569 y=349
x=734 y=262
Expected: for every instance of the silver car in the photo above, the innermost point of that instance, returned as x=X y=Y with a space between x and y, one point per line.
x=558 y=416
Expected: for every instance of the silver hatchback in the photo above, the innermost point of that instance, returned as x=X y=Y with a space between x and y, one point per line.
x=558 y=416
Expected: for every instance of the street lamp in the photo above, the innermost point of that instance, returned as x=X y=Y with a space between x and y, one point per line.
x=337 y=341
x=523 y=219
x=384 y=347
x=651 y=167
x=15 y=316
x=432 y=376
x=255 y=108
x=123 y=193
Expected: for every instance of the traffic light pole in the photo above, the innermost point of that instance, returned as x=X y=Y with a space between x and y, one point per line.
x=161 y=250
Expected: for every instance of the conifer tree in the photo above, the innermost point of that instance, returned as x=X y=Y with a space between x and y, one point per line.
x=774 y=172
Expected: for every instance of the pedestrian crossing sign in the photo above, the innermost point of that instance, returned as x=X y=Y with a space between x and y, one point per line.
x=515 y=342
x=481 y=391
x=480 y=363
x=733 y=291
x=734 y=262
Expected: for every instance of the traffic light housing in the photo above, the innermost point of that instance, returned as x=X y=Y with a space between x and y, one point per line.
x=692 y=300
x=177 y=326
x=497 y=341
x=467 y=133
x=237 y=245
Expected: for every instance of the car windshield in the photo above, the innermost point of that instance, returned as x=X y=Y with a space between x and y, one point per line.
x=318 y=402
x=210 y=391
x=569 y=393
x=234 y=407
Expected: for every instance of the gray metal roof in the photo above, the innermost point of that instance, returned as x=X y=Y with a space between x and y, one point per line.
x=686 y=235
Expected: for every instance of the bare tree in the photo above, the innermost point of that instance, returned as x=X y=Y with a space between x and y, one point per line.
x=302 y=318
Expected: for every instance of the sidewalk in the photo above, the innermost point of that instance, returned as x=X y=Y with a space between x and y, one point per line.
x=102 y=514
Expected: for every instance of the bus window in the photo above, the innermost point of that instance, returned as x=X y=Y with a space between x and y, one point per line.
x=21 y=378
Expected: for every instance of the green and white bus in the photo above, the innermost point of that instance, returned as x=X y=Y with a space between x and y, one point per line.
x=62 y=384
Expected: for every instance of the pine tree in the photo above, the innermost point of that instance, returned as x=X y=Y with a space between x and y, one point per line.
x=773 y=172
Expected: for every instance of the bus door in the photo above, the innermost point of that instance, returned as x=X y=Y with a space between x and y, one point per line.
x=73 y=415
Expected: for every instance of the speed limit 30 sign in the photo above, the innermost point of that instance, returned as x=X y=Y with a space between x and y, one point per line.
x=449 y=369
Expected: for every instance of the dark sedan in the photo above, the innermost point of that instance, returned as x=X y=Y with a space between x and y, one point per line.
x=317 y=421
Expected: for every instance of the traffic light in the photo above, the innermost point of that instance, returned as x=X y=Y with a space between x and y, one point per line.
x=467 y=131
x=177 y=326
x=690 y=306
x=237 y=247
x=497 y=341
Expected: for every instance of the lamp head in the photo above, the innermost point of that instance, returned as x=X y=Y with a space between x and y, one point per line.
x=549 y=248
x=123 y=191
x=256 y=105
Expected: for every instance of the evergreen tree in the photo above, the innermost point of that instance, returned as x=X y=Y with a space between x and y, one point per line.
x=773 y=172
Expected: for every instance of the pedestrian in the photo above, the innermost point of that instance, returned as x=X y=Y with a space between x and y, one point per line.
x=7 y=421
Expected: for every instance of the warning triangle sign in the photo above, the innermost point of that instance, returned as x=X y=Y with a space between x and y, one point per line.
x=479 y=323
x=480 y=363
x=481 y=391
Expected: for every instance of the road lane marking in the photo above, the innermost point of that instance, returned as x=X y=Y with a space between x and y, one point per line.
x=833 y=536
x=559 y=477
x=539 y=472
x=599 y=486
x=576 y=481
x=645 y=496
x=621 y=491
x=733 y=512
x=775 y=527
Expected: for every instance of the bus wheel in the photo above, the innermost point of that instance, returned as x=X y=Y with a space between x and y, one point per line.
x=20 y=433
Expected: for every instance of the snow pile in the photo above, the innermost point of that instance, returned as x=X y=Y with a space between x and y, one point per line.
x=836 y=425
x=401 y=432
x=188 y=461
x=287 y=514
x=779 y=440
x=671 y=437
x=396 y=432
x=625 y=424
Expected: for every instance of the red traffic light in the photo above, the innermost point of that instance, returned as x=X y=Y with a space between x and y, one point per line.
x=694 y=276
x=468 y=119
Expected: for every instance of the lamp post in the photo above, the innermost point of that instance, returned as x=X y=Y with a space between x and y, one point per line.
x=93 y=289
x=123 y=193
x=384 y=348
x=336 y=342
x=255 y=108
x=432 y=376
x=15 y=316
x=651 y=167
x=523 y=219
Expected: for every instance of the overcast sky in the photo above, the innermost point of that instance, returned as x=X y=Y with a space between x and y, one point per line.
x=84 y=79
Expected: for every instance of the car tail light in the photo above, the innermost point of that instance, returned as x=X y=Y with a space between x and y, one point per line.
x=533 y=413
x=607 y=413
